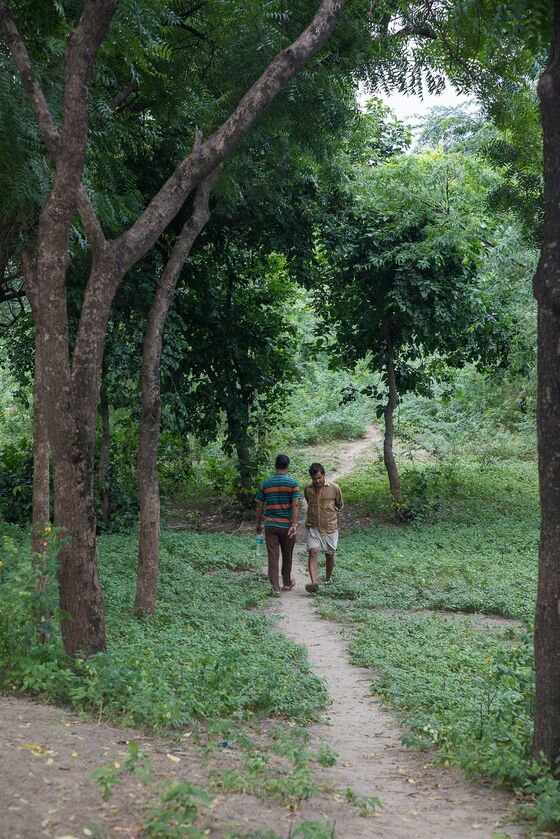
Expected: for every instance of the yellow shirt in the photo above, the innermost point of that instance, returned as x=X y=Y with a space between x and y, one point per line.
x=322 y=506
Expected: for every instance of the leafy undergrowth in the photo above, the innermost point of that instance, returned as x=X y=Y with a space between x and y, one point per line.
x=463 y=684
x=278 y=769
x=208 y=651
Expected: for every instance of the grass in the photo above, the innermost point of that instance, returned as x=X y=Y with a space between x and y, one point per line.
x=208 y=651
x=472 y=548
x=409 y=593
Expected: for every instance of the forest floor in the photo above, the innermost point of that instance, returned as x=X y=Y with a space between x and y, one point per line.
x=49 y=753
x=418 y=799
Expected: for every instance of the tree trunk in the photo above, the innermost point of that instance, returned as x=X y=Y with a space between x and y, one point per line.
x=237 y=433
x=41 y=473
x=41 y=513
x=104 y=455
x=81 y=599
x=388 y=456
x=148 y=484
x=547 y=291
x=245 y=494
x=71 y=389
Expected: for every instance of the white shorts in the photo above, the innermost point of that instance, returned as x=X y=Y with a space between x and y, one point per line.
x=325 y=542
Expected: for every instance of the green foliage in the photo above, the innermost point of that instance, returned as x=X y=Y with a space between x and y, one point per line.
x=207 y=652
x=16 y=480
x=326 y=405
x=16 y=463
x=326 y=756
x=176 y=813
x=398 y=270
x=364 y=804
x=29 y=598
x=136 y=764
x=462 y=684
x=304 y=830
x=290 y=779
x=475 y=550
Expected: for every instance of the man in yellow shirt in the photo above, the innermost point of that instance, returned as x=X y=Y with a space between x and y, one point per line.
x=324 y=500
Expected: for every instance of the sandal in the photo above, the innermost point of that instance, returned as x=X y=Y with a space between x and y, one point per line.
x=290 y=587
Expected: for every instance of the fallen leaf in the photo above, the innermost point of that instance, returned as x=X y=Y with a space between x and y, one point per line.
x=74 y=754
x=36 y=750
x=174 y=758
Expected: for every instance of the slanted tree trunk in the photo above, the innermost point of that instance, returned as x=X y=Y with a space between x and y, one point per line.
x=547 y=291
x=104 y=455
x=148 y=484
x=388 y=456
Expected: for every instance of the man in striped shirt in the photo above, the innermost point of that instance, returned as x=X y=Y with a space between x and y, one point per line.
x=278 y=501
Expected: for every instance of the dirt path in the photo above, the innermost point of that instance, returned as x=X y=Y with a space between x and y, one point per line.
x=419 y=800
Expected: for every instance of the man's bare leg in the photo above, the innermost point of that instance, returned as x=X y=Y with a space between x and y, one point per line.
x=313 y=554
x=329 y=560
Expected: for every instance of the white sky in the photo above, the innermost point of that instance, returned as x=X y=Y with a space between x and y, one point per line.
x=407 y=107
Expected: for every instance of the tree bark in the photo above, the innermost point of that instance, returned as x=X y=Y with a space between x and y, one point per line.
x=547 y=291
x=148 y=483
x=71 y=388
x=41 y=513
x=104 y=455
x=388 y=456
x=238 y=423
x=41 y=471
x=245 y=494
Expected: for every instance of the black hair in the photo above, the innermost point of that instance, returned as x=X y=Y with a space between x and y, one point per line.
x=316 y=468
x=282 y=461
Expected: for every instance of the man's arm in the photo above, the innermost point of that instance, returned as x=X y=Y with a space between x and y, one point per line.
x=338 y=502
x=260 y=507
x=295 y=513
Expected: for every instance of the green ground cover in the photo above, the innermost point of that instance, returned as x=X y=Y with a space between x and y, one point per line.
x=208 y=651
x=460 y=682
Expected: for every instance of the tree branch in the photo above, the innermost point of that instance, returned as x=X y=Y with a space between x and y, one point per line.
x=47 y=128
x=83 y=45
x=163 y=207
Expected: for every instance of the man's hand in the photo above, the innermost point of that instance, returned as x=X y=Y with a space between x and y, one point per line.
x=258 y=529
x=293 y=530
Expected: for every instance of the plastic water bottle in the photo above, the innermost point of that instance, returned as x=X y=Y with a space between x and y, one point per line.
x=259 y=542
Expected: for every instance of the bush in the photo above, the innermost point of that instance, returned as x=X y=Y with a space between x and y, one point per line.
x=16 y=480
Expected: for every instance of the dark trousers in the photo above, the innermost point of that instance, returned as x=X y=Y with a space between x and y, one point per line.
x=277 y=540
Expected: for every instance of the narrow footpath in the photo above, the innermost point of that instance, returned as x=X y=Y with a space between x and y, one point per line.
x=419 y=800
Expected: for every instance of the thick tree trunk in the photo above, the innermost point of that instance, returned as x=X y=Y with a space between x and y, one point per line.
x=71 y=390
x=388 y=456
x=104 y=455
x=547 y=291
x=148 y=484
x=81 y=599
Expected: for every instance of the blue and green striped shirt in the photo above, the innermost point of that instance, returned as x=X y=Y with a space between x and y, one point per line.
x=277 y=494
